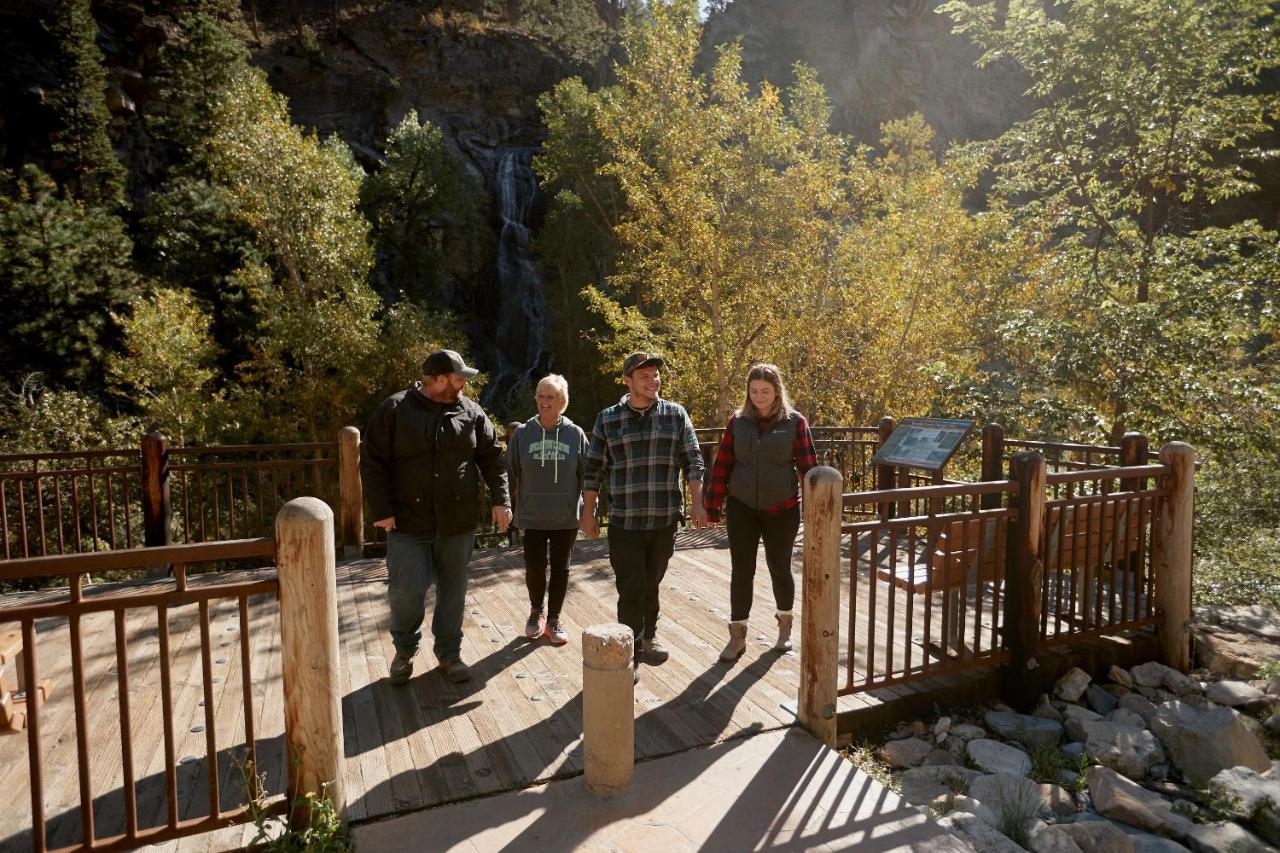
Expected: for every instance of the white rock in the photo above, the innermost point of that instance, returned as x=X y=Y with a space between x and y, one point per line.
x=1075 y=716
x=1145 y=842
x=966 y=732
x=995 y=757
x=1256 y=796
x=1139 y=705
x=1051 y=839
x=1125 y=717
x=1150 y=674
x=1057 y=800
x=921 y=785
x=1027 y=730
x=1226 y=838
x=1098 y=836
x=909 y=752
x=1180 y=684
x=1126 y=750
x=1002 y=792
x=1071 y=686
x=982 y=835
x=941 y=727
x=1233 y=693
x=1202 y=742
x=1121 y=799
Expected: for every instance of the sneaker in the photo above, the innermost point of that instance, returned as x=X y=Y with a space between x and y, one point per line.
x=456 y=671
x=556 y=633
x=654 y=654
x=402 y=666
x=537 y=623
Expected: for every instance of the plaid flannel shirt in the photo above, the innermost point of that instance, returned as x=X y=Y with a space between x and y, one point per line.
x=640 y=456
x=806 y=457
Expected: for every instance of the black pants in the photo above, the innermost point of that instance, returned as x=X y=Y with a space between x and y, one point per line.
x=747 y=527
x=537 y=544
x=639 y=559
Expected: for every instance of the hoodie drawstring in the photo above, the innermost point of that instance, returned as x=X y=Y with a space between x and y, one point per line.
x=555 y=469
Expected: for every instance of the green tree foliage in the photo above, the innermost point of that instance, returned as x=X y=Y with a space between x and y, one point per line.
x=421 y=199
x=168 y=367
x=316 y=310
x=89 y=166
x=33 y=417
x=64 y=265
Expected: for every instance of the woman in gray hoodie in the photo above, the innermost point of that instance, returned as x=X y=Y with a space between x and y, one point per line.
x=546 y=457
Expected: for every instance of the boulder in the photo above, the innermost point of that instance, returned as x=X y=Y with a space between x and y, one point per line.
x=1075 y=716
x=975 y=807
x=1139 y=705
x=1226 y=837
x=1051 y=839
x=1121 y=799
x=1071 y=686
x=921 y=785
x=1030 y=731
x=995 y=757
x=1120 y=676
x=1046 y=711
x=1255 y=797
x=1001 y=791
x=1273 y=725
x=1180 y=684
x=1125 y=717
x=909 y=752
x=1145 y=842
x=1150 y=674
x=1233 y=693
x=965 y=732
x=1202 y=742
x=1100 y=700
x=938 y=758
x=1117 y=690
x=978 y=832
x=1098 y=836
x=1273 y=686
x=1126 y=750
x=1073 y=751
x=1057 y=800
x=941 y=727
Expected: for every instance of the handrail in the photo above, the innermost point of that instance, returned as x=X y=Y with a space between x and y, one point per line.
x=944 y=491
x=65 y=565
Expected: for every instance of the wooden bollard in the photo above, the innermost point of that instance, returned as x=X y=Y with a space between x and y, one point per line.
x=608 y=709
x=820 y=611
x=309 y=651
x=1173 y=555
x=1024 y=582
x=350 y=493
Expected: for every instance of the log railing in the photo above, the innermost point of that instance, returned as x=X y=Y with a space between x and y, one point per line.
x=143 y=658
x=991 y=573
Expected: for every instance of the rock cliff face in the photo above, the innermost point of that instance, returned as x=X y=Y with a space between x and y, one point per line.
x=878 y=59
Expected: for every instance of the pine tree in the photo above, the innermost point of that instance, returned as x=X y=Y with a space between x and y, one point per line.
x=92 y=172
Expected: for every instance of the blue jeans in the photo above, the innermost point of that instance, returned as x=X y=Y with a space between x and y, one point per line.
x=413 y=563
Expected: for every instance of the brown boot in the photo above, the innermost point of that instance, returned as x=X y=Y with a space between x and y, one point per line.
x=784 y=632
x=737 y=642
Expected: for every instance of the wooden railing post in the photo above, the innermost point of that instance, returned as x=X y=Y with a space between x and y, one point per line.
x=309 y=651
x=1023 y=581
x=350 y=493
x=820 y=611
x=885 y=473
x=1173 y=555
x=155 y=490
x=992 y=461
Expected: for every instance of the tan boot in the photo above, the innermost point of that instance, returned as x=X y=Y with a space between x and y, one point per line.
x=737 y=642
x=784 y=632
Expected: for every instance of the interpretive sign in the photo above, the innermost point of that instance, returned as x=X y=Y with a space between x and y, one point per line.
x=923 y=443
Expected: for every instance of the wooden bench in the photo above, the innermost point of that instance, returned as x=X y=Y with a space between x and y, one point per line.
x=1090 y=541
x=14 y=696
x=961 y=554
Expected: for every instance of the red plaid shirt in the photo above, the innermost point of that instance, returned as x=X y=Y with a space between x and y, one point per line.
x=718 y=489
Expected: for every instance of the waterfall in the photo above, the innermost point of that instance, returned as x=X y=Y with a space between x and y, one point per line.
x=518 y=331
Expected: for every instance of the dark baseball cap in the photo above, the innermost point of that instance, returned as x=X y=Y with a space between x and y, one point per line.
x=447 y=361
x=637 y=360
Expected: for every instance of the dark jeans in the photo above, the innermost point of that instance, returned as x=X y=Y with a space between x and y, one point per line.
x=747 y=527
x=639 y=559
x=537 y=544
x=413 y=564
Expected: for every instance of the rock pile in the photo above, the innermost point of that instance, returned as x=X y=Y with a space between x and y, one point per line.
x=1153 y=761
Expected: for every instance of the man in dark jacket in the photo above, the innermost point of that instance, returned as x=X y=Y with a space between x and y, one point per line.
x=421 y=460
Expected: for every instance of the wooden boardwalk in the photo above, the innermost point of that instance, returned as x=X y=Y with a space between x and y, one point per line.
x=518 y=722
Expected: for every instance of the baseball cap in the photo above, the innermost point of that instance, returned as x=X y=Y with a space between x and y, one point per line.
x=637 y=360
x=447 y=361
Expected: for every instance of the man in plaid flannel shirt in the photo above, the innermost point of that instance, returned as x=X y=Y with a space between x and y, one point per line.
x=638 y=448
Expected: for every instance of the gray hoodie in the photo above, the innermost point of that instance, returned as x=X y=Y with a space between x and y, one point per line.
x=546 y=474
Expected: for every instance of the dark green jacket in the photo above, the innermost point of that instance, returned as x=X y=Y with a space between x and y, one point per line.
x=422 y=461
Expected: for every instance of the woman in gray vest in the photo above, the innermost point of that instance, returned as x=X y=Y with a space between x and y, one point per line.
x=765 y=451
x=545 y=458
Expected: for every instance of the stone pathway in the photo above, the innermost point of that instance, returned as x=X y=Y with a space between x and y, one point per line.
x=778 y=790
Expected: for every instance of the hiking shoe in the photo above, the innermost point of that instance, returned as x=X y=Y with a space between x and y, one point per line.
x=556 y=633
x=402 y=666
x=456 y=671
x=537 y=623
x=654 y=654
